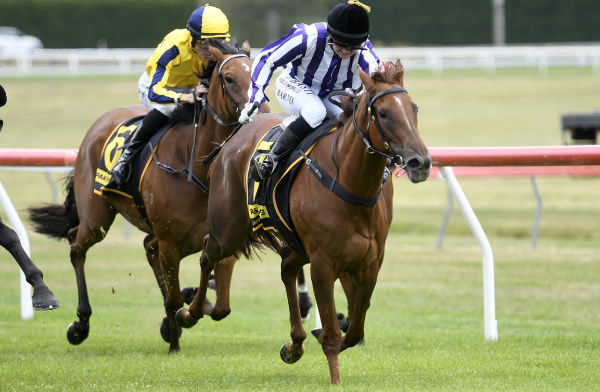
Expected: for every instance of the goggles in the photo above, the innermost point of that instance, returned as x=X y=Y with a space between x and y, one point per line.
x=331 y=41
x=205 y=42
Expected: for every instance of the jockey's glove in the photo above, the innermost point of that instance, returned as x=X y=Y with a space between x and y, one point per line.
x=248 y=112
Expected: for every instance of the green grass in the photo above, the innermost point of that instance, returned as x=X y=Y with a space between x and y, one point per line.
x=424 y=330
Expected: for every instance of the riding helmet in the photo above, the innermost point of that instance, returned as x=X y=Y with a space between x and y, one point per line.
x=208 y=22
x=348 y=23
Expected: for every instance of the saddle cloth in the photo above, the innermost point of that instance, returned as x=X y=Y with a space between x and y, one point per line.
x=268 y=200
x=111 y=152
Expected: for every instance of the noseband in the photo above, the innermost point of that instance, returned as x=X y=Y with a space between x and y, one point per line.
x=393 y=156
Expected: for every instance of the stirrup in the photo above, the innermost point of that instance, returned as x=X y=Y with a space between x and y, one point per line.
x=265 y=167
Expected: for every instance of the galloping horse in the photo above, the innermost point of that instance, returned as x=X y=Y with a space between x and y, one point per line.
x=343 y=239
x=175 y=207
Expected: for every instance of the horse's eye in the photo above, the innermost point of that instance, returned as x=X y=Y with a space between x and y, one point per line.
x=382 y=113
x=229 y=79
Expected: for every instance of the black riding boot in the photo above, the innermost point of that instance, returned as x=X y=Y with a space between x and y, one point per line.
x=289 y=139
x=153 y=121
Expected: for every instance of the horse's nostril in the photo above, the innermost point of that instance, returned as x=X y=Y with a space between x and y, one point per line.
x=414 y=163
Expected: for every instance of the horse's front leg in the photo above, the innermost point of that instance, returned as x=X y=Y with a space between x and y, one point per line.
x=291 y=265
x=359 y=289
x=323 y=279
x=169 y=261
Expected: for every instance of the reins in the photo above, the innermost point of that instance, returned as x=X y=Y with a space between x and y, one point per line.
x=205 y=107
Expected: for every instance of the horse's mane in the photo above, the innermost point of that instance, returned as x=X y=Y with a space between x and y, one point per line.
x=390 y=73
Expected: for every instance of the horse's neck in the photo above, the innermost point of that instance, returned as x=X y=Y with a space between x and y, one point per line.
x=359 y=171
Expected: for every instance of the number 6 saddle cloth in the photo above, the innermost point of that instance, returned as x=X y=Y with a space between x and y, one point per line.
x=111 y=152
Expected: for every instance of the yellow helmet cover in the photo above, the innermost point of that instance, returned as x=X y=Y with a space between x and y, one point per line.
x=208 y=22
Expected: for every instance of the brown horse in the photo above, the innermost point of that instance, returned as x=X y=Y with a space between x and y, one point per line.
x=176 y=208
x=343 y=240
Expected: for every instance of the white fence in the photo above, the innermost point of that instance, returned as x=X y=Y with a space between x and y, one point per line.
x=434 y=59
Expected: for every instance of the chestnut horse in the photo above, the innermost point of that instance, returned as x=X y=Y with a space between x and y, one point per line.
x=176 y=208
x=343 y=240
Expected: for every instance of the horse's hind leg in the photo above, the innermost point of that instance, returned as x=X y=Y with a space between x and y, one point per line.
x=81 y=238
x=291 y=266
x=43 y=298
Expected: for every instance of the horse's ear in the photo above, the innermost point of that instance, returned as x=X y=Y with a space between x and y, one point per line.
x=217 y=54
x=399 y=74
x=246 y=48
x=366 y=80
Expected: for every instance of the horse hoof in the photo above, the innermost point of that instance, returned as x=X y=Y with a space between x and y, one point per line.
x=289 y=357
x=165 y=330
x=43 y=299
x=76 y=333
x=181 y=320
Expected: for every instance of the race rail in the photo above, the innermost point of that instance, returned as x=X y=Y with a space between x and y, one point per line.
x=443 y=157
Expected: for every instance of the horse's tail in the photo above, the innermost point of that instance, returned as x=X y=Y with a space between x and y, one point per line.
x=55 y=220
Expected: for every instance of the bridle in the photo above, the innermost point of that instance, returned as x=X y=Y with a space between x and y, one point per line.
x=396 y=158
x=331 y=182
x=206 y=106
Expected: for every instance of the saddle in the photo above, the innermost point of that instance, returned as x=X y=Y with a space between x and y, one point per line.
x=268 y=199
x=111 y=152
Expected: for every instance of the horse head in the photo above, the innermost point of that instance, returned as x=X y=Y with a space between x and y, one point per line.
x=232 y=75
x=393 y=124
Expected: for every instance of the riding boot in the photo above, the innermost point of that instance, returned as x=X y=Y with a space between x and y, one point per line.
x=289 y=139
x=153 y=121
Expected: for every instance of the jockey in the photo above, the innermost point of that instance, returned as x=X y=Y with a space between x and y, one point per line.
x=171 y=74
x=319 y=58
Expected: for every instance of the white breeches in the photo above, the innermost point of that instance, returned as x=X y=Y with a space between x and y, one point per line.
x=144 y=85
x=298 y=99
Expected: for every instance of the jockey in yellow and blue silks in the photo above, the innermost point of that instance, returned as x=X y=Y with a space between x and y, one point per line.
x=172 y=73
